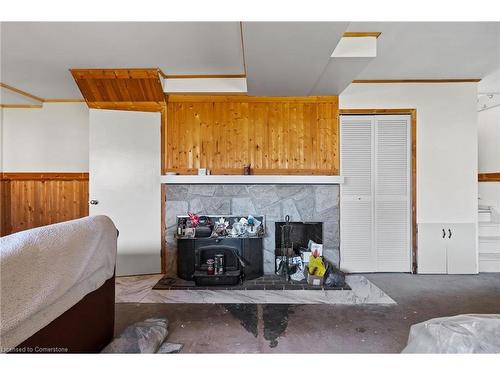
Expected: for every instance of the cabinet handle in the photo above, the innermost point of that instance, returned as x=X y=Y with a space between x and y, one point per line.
x=449 y=233
x=444 y=233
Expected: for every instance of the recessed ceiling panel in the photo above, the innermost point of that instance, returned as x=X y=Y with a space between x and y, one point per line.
x=287 y=58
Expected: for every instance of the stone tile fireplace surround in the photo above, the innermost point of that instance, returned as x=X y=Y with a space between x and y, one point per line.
x=301 y=202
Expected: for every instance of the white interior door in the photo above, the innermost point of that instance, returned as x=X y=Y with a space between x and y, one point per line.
x=375 y=216
x=124 y=166
x=392 y=193
x=356 y=203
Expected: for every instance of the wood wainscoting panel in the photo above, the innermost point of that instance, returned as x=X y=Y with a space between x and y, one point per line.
x=30 y=200
x=287 y=135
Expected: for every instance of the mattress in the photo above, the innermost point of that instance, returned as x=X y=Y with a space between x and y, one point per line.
x=47 y=270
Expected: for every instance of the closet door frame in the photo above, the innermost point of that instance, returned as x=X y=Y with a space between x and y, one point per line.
x=413 y=132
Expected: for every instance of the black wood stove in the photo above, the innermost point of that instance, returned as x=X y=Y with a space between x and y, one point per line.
x=242 y=258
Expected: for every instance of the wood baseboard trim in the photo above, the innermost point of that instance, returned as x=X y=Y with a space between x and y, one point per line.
x=489 y=177
x=61 y=176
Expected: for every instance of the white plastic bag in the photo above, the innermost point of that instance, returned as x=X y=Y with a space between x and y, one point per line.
x=456 y=334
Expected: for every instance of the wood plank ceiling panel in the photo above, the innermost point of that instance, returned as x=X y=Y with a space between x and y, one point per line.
x=132 y=89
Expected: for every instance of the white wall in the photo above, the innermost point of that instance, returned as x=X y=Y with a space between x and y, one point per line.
x=447 y=156
x=489 y=156
x=54 y=138
x=489 y=140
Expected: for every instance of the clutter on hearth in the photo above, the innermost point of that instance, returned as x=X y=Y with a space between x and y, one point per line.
x=218 y=226
x=240 y=227
x=316 y=269
x=309 y=265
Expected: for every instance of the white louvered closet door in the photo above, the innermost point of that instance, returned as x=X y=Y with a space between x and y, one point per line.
x=375 y=226
x=356 y=204
x=392 y=193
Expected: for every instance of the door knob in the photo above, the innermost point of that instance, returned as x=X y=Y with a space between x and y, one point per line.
x=94 y=202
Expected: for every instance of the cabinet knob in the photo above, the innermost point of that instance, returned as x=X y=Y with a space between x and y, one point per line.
x=444 y=233
x=449 y=233
x=94 y=202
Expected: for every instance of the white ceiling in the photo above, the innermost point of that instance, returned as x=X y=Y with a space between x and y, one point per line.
x=11 y=97
x=36 y=56
x=281 y=58
x=434 y=50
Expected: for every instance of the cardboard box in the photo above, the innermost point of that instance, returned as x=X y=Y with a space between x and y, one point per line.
x=314 y=280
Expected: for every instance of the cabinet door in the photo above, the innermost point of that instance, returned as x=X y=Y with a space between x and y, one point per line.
x=356 y=203
x=462 y=248
x=431 y=257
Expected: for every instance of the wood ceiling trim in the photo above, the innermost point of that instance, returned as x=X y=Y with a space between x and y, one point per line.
x=34 y=97
x=21 y=92
x=64 y=100
x=489 y=177
x=178 y=98
x=120 y=73
x=361 y=34
x=203 y=76
x=31 y=106
x=444 y=80
x=129 y=106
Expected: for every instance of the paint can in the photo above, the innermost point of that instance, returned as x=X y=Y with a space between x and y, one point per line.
x=219 y=264
x=210 y=267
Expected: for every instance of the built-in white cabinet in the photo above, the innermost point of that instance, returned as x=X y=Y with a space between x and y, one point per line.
x=447 y=248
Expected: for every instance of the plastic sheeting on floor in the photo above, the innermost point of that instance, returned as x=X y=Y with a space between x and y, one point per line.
x=456 y=334
x=143 y=337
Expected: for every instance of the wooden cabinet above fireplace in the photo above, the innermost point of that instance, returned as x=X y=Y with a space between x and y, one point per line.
x=275 y=135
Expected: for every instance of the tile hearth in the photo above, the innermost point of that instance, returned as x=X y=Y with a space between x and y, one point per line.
x=266 y=282
x=139 y=289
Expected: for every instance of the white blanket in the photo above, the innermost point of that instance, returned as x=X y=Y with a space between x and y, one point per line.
x=47 y=270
